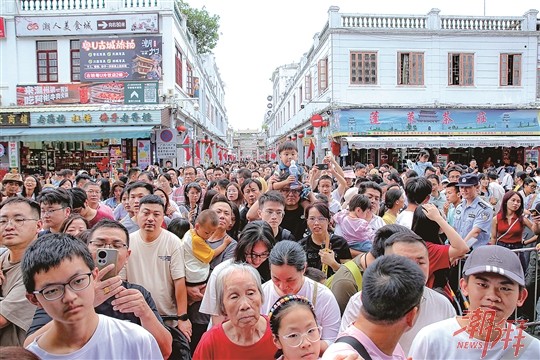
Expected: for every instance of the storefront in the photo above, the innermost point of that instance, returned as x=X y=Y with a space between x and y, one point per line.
x=84 y=137
x=393 y=135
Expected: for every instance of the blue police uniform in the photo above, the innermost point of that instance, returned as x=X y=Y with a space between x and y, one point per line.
x=478 y=214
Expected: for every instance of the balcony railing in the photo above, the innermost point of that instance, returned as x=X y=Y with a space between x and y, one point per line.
x=384 y=21
x=28 y=6
x=470 y=23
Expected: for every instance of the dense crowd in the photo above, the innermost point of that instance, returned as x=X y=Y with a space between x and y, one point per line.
x=257 y=260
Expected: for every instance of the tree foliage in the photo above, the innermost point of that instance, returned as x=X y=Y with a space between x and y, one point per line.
x=203 y=26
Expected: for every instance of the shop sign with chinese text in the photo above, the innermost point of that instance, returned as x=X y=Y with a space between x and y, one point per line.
x=124 y=58
x=15 y=119
x=84 y=93
x=86 y=25
x=414 y=122
x=95 y=118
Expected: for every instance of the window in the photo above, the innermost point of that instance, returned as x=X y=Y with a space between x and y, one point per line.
x=308 y=87
x=323 y=75
x=364 y=68
x=75 y=58
x=47 y=61
x=510 y=70
x=294 y=104
x=189 y=80
x=411 y=68
x=300 y=90
x=178 y=67
x=461 y=69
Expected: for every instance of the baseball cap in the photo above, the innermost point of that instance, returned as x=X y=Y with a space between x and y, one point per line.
x=468 y=180
x=495 y=259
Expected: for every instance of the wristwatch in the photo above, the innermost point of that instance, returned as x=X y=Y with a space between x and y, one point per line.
x=183 y=317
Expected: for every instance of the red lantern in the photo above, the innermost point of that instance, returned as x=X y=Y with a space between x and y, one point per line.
x=300 y=135
x=181 y=128
x=325 y=123
x=293 y=137
x=309 y=132
x=316 y=120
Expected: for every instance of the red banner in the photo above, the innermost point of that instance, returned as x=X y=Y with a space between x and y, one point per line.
x=56 y=94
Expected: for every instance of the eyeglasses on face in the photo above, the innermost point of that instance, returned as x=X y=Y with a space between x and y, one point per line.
x=17 y=222
x=118 y=245
x=296 y=339
x=253 y=256
x=56 y=291
x=51 y=211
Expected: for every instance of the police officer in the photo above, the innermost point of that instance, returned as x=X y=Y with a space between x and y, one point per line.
x=473 y=215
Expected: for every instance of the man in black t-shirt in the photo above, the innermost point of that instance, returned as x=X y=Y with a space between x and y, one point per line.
x=294 y=219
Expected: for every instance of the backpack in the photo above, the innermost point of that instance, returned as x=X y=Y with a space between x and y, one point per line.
x=180 y=345
x=355 y=271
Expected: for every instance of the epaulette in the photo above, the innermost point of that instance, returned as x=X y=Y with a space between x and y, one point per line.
x=483 y=204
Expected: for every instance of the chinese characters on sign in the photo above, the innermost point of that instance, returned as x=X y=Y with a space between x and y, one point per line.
x=13 y=119
x=87 y=93
x=89 y=25
x=95 y=118
x=129 y=58
x=414 y=122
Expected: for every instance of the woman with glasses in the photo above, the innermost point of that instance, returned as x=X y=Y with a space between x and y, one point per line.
x=295 y=329
x=31 y=187
x=253 y=247
x=288 y=264
x=325 y=251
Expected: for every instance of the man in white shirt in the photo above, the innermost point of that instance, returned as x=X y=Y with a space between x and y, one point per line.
x=496 y=190
x=157 y=262
x=494 y=282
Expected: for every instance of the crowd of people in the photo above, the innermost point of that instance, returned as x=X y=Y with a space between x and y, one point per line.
x=258 y=260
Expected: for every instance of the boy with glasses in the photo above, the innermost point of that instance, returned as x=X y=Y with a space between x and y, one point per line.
x=55 y=207
x=272 y=210
x=59 y=276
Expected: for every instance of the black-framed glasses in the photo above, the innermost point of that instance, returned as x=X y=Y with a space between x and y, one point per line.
x=262 y=256
x=51 y=211
x=296 y=339
x=118 y=245
x=56 y=291
x=17 y=222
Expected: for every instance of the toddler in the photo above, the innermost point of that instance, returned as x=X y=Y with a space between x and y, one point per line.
x=197 y=252
x=353 y=227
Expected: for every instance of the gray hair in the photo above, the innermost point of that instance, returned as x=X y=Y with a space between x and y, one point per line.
x=224 y=275
x=287 y=252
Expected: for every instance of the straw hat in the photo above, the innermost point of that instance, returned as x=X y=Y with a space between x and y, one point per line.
x=12 y=177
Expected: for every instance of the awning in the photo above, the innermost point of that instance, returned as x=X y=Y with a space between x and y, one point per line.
x=370 y=142
x=74 y=133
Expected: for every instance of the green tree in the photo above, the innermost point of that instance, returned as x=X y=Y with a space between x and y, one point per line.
x=203 y=26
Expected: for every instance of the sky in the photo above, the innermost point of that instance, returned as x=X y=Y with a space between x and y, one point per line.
x=258 y=36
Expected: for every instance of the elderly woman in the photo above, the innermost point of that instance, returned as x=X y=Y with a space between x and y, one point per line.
x=253 y=247
x=287 y=266
x=246 y=334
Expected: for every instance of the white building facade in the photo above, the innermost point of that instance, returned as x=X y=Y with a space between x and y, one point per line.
x=106 y=83
x=385 y=85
